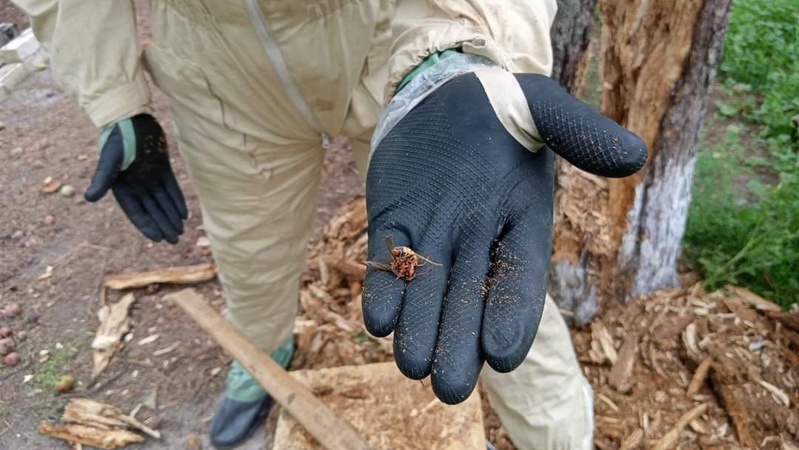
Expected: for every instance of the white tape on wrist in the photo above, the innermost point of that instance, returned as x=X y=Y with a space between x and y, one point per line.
x=510 y=105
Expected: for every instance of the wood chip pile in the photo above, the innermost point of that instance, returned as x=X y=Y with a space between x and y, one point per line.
x=677 y=369
x=691 y=370
x=330 y=324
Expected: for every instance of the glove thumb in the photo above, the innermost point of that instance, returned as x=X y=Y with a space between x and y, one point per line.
x=578 y=133
x=112 y=154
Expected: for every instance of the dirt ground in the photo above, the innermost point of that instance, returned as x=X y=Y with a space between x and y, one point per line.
x=11 y=14
x=45 y=136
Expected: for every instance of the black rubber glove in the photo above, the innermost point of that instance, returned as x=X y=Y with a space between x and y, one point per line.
x=452 y=184
x=134 y=164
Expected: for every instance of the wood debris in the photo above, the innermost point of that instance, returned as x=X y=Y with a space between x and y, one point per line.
x=149 y=339
x=173 y=275
x=621 y=374
x=670 y=438
x=755 y=300
x=330 y=324
x=413 y=419
x=602 y=348
x=700 y=376
x=87 y=422
x=717 y=370
x=51 y=186
x=693 y=350
x=114 y=323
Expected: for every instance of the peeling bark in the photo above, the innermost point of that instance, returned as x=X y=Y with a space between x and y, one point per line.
x=659 y=61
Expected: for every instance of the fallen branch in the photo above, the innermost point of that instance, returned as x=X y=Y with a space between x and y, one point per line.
x=669 y=439
x=172 y=275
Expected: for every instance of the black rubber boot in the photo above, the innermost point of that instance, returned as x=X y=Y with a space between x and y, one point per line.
x=234 y=422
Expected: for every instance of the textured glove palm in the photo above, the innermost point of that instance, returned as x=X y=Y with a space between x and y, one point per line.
x=134 y=164
x=451 y=183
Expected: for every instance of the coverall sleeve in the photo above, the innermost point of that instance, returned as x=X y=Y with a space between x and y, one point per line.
x=94 y=54
x=512 y=33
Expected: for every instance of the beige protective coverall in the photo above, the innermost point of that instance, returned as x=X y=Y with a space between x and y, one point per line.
x=257 y=88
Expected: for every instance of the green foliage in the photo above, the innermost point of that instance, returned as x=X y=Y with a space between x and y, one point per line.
x=754 y=245
x=760 y=54
x=731 y=240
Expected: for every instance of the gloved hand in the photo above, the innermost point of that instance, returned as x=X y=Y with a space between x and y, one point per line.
x=451 y=183
x=134 y=164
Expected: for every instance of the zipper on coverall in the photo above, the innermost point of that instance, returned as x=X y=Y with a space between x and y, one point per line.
x=279 y=64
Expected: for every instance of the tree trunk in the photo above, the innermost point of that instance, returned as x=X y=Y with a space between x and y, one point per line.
x=571 y=35
x=622 y=238
x=571 y=39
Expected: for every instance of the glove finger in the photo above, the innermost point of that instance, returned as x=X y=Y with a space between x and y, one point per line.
x=458 y=357
x=168 y=207
x=136 y=213
x=108 y=167
x=578 y=133
x=382 y=290
x=517 y=290
x=159 y=218
x=417 y=327
x=176 y=194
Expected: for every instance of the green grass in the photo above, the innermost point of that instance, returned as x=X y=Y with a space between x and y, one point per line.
x=729 y=239
x=48 y=373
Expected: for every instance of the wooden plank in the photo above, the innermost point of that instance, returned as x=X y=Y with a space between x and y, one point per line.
x=330 y=431
x=172 y=275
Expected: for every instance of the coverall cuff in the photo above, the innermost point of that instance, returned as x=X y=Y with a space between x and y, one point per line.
x=414 y=46
x=421 y=86
x=123 y=101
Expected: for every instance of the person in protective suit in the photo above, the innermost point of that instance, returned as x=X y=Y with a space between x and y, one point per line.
x=459 y=168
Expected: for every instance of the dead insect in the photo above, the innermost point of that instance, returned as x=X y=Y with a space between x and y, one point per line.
x=404 y=261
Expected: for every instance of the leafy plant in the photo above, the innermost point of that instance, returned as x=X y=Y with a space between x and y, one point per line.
x=761 y=53
x=754 y=244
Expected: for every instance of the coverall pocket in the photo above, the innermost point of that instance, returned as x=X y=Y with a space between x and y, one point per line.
x=186 y=86
x=214 y=148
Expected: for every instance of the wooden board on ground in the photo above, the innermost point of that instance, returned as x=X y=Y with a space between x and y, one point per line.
x=389 y=410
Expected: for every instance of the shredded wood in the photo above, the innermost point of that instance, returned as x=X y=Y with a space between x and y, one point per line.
x=673 y=435
x=95 y=424
x=714 y=370
x=693 y=349
x=700 y=376
x=114 y=323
